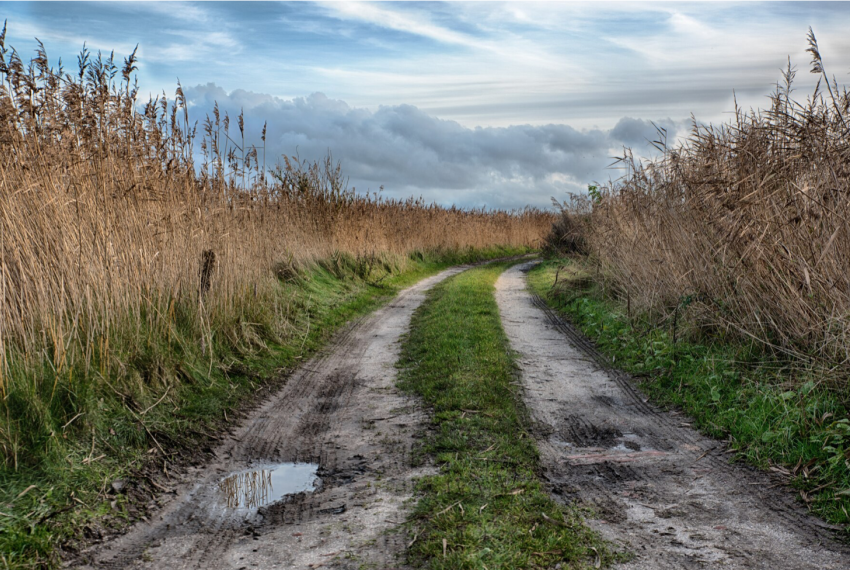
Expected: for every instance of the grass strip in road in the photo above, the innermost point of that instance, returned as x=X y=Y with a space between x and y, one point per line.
x=486 y=508
x=776 y=414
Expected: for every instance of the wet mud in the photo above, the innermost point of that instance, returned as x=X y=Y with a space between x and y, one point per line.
x=346 y=435
x=657 y=488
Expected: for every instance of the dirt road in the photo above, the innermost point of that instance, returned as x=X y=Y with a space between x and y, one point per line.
x=341 y=411
x=659 y=488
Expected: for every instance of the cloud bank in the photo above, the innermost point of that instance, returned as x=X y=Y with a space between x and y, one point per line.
x=408 y=151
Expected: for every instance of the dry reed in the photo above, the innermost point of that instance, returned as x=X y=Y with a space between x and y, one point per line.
x=112 y=228
x=745 y=224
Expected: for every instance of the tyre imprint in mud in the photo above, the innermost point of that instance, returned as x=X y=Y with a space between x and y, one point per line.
x=341 y=411
x=657 y=487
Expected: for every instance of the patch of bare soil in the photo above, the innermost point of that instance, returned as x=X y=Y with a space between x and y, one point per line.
x=657 y=487
x=340 y=411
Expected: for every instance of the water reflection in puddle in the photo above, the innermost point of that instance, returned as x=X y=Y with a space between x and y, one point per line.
x=260 y=487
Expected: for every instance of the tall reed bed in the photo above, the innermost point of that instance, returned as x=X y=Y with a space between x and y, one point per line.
x=744 y=226
x=121 y=222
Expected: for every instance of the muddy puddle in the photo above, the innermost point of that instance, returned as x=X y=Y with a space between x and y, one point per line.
x=263 y=486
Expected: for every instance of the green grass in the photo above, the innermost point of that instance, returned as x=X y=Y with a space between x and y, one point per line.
x=165 y=400
x=773 y=412
x=487 y=501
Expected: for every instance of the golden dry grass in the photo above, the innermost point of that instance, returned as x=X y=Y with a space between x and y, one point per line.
x=745 y=225
x=110 y=229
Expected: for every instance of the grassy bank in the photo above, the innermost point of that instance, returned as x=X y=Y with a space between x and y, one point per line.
x=173 y=394
x=486 y=508
x=777 y=414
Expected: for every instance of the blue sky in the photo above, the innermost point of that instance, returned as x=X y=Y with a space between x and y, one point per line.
x=497 y=104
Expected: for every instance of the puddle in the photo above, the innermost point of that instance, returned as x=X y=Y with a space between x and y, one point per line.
x=558 y=442
x=259 y=487
x=628 y=443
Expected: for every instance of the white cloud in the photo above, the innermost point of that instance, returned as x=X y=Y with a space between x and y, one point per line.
x=412 y=23
x=411 y=152
x=196 y=45
x=186 y=11
x=508 y=45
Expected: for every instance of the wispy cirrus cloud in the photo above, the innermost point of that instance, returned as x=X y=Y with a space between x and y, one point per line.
x=412 y=22
x=506 y=45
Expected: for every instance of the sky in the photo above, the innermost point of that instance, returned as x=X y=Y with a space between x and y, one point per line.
x=478 y=104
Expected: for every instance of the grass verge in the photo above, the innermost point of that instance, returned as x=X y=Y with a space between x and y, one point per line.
x=777 y=416
x=486 y=508
x=111 y=430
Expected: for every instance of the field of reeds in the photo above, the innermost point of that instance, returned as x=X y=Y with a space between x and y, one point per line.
x=717 y=274
x=741 y=230
x=122 y=221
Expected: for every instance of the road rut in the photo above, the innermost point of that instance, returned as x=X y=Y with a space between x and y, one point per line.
x=657 y=487
x=340 y=410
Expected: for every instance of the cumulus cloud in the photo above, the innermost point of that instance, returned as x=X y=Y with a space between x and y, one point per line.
x=637 y=133
x=409 y=151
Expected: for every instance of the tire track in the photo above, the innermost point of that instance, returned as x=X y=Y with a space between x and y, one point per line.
x=660 y=489
x=712 y=451
x=340 y=410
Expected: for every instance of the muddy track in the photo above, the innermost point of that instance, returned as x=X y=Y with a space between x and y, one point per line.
x=658 y=488
x=341 y=411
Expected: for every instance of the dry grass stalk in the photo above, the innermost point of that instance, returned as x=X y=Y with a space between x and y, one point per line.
x=745 y=223
x=109 y=230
